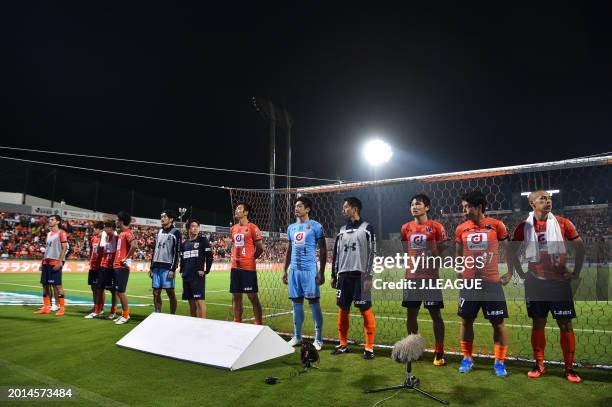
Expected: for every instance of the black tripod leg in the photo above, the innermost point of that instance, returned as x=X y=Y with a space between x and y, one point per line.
x=431 y=396
x=401 y=386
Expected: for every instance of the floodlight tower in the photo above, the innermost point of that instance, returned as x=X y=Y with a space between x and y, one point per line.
x=377 y=152
x=276 y=117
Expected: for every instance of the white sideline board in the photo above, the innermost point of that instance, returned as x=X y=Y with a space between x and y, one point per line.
x=222 y=344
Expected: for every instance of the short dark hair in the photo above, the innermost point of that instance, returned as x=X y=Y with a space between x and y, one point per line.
x=421 y=198
x=353 y=202
x=125 y=218
x=475 y=198
x=246 y=206
x=110 y=224
x=190 y=221
x=169 y=213
x=305 y=201
x=57 y=217
x=99 y=225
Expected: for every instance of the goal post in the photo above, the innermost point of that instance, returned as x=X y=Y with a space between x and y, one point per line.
x=581 y=190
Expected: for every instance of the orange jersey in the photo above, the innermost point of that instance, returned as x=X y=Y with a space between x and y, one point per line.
x=547 y=268
x=423 y=240
x=481 y=240
x=243 y=252
x=123 y=246
x=95 y=258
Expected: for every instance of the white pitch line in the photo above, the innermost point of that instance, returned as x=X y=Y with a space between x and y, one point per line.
x=552 y=328
x=51 y=381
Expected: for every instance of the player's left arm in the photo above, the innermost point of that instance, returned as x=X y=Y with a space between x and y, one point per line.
x=64 y=242
x=576 y=243
x=175 y=266
x=579 y=250
x=62 y=254
x=322 y=259
x=502 y=236
x=207 y=260
x=442 y=241
x=371 y=250
x=257 y=241
x=131 y=251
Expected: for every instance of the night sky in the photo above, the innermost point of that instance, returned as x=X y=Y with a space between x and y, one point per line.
x=449 y=87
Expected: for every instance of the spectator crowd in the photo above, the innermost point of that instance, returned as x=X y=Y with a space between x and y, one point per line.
x=23 y=236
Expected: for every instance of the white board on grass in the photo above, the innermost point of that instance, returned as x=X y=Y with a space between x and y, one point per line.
x=221 y=344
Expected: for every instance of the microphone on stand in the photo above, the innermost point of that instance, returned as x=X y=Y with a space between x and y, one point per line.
x=407 y=351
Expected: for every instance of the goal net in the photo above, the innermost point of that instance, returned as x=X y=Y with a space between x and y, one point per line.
x=581 y=190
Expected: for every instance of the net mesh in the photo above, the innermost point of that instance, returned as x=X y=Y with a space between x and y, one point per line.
x=581 y=192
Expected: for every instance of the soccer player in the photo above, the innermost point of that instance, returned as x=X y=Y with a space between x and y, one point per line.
x=126 y=246
x=424 y=237
x=106 y=274
x=477 y=242
x=196 y=262
x=248 y=246
x=95 y=257
x=64 y=226
x=352 y=272
x=304 y=279
x=547 y=284
x=165 y=260
x=51 y=267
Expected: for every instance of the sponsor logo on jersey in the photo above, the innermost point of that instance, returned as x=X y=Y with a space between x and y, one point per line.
x=477 y=241
x=299 y=238
x=418 y=241
x=239 y=239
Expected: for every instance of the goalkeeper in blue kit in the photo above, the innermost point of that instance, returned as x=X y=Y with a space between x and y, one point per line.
x=303 y=278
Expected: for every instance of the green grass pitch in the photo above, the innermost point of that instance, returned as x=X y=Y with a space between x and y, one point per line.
x=72 y=351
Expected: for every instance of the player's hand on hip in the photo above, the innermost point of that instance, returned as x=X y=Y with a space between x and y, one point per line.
x=201 y=273
x=505 y=279
x=58 y=267
x=285 y=278
x=334 y=283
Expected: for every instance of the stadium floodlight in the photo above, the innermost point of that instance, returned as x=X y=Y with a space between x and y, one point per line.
x=550 y=191
x=377 y=152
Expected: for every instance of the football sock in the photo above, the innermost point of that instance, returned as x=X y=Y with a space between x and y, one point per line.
x=61 y=300
x=298 y=319
x=46 y=302
x=466 y=348
x=317 y=316
x=500 y=352
x=125 y=313
x=568 y=345
x=439 y=349
x=538 y=344
x=369 y=328
x=343 y=325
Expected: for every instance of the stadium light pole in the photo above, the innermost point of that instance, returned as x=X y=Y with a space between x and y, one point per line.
x=377 y=152
x=276 y=117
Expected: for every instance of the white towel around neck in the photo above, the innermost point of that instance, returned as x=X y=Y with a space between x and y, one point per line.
x=554 y=238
